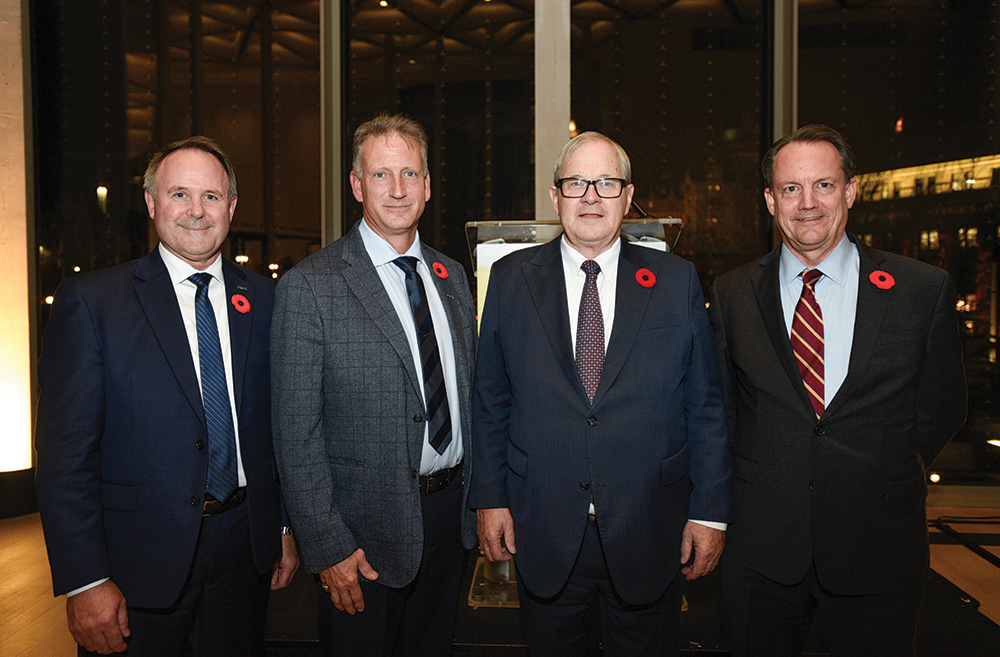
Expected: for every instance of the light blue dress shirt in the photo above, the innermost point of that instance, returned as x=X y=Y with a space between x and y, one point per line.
x=382 y=254
x=837 y=296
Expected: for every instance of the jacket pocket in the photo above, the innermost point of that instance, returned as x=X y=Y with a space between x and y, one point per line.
x=674 y=468
x=120 y=497
x=913 y=489
x=745 y=470
x=517 y=461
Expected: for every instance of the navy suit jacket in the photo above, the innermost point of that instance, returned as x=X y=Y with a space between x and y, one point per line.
x=121 y=431
x=846 y=493
x=652 y=449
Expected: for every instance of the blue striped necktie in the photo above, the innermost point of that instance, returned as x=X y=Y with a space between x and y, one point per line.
x=435 y=396
x=222 y=478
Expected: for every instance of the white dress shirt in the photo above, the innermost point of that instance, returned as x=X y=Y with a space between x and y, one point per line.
x=837 y=296
x=607 y=285
x=394 y=279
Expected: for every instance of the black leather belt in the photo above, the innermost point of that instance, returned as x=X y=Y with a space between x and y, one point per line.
x=440 y=480
x=215 y=507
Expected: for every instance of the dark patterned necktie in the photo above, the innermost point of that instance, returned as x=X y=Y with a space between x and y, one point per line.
x=807 y=340
x=438 y=413
x=222 y=479
x=590 y=332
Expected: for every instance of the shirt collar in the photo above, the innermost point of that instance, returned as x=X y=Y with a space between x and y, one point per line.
x=380 y=251
x=179 y=270
x=574 y=259
x=835 y=266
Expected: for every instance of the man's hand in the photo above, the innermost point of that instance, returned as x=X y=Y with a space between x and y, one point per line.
x=495 y=528
x=285 y=567
x=341 y=580
x=706 y=543
x=98 y=619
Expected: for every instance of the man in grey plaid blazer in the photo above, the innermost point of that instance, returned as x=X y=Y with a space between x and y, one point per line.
x=373 y=476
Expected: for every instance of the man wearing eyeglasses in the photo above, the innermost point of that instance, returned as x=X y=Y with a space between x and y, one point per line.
x=600 y=456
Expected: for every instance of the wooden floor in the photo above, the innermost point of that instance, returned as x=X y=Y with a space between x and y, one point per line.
x=33 y=622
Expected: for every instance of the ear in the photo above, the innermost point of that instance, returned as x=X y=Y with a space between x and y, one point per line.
x=630 y=191
x=554 y=195
x=851 y=192
x=232 y=208
x=427 y=186
x=769 y=199
x=356 y=188
x=150 y=205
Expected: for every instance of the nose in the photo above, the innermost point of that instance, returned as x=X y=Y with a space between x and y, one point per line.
x=807 y=199
x=591 y=195
x=397 y=187
x=197 y=207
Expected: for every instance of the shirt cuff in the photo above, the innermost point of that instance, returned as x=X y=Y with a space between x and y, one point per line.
x=88 y=586
x=721 y=526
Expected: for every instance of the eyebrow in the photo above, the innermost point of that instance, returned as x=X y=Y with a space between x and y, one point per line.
x=185 y=188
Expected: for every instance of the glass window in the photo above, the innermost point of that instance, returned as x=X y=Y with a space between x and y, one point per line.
x=469 y=80
x=678 y=85
x=861 y=67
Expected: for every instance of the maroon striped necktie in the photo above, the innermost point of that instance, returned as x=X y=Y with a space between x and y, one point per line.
x=807 y=340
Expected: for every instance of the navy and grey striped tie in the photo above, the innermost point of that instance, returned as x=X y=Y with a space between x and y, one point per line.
x=438 y=413
x=222 y=478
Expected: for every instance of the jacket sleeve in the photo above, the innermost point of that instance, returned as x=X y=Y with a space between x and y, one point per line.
x=297 y=415
x=704 y=408
x=943 y=392
x=491 y=405
x=69 y=428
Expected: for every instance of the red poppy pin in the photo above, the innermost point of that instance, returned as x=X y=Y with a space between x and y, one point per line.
x=440 y=270
x=645 y=278
x=241 y=303
x=883 y=280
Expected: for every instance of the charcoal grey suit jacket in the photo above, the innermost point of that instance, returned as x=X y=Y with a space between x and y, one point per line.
x=844 y=494
x=348 y=412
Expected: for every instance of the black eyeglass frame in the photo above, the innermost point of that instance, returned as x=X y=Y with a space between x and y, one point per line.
x=559 y=185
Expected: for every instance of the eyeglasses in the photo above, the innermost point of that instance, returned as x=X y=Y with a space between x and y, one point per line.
x=577 y=187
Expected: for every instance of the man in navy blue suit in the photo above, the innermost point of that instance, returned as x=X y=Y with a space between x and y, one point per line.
x=156 y=478
x=600 y=455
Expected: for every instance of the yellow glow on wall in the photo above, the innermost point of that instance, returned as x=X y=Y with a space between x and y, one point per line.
x=15 y=330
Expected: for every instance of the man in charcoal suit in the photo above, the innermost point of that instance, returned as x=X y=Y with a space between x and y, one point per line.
x=373 y=347
x=843 y=373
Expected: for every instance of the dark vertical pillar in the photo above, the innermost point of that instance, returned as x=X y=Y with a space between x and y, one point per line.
x=195 y=32
x=267 y=124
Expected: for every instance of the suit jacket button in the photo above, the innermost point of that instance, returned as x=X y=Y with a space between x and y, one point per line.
x=820 y=430
x=413 y=474
x=592 y=421
x=200 y=444
x=810 y=485
x=585 y=485
x=418 y=418
x=195 y=500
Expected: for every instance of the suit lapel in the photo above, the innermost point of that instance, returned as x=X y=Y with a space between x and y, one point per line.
x=766 y=286
x=872 y=304
x=366 y=285
x=240 y=324
x=461 y=323
x=547 y=285
x=159 y=302
x=631 y=300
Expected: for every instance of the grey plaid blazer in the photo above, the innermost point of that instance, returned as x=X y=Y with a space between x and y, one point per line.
x=347 y=410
